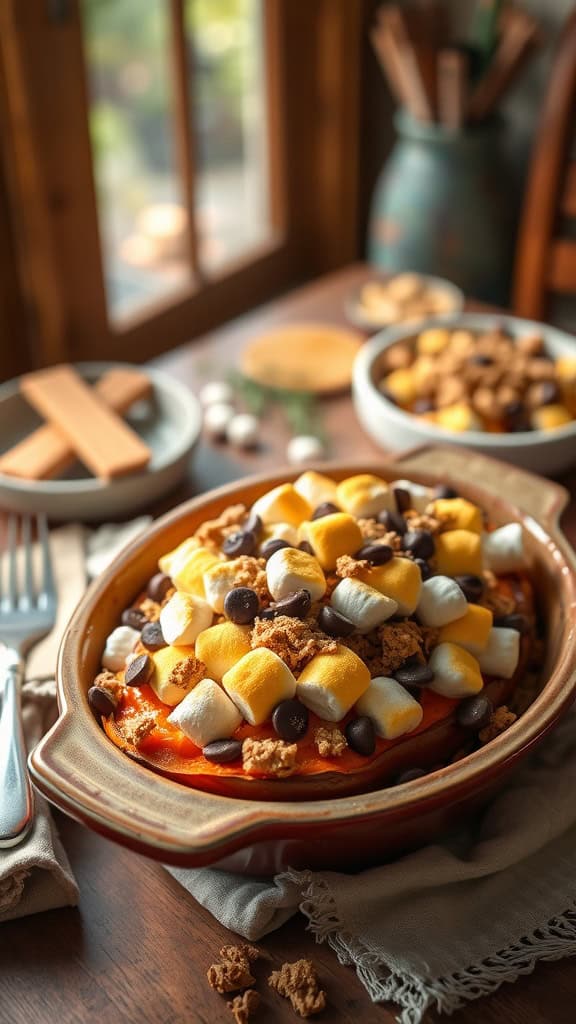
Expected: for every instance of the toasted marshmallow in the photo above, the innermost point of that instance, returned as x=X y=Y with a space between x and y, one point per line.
x=119 y=645
x=332 y=536
x=364 y=495
x=363 y=605
x=188 y=570
x=315 y=488
x=391 y=708
x=456 y=671
x=504 y=549
x=471 y=632
x=502 y=652
x=441 y=601
x=219 y=580
x=281 y=531
x=183 y=617
x=206 y=714
x=221 y=646
x=420 y=496
x=458 y=552
x=398 y=579
x=169 y=684
x=179 y=554
x=290 y=569
x=257 y=683
x=331 y=683
x=283 y=504
x=463 y=515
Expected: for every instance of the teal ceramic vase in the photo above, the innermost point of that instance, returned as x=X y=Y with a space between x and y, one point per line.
x=442 y=206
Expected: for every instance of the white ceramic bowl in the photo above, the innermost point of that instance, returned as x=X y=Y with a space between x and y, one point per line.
x=169 y=422
x=357 y=315
x=547 y=452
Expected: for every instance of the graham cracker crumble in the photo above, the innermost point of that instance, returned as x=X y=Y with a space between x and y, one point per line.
x=298 y=982
x=294 y=640
x=349 y=567
x=137 y=728
x=502 y=718
x=371 y=529
x=495 y=599
x=385 y=649
x=244 y=1006
x=151 y=609
x=424 y=521
x=214 y=531
x=251 y=572
x=189 y=670
x=107 y=681
x=229 y=976
x=269 y=757
x=330 y=742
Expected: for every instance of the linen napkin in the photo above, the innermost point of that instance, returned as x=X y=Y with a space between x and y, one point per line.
x=36 y=874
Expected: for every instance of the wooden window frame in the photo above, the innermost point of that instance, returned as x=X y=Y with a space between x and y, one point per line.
x=312 y=76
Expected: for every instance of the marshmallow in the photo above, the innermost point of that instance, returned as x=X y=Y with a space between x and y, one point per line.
x=243 y=430
x=206 y=714
x=458 y=553
x=420 y=496
x=188 y=570
x=289 y=569
x=283 y=504
x=217 y=418
x=221 y=646
x=504 y=549
x=462 y=514
x=501 y=655
x=364 y=495
x=177 y=555
x=471 y=631
x=281 y=531
x=119 y=645
x=391 y=708
x=332 y=536
x=216 y=392
x=218 y=581
x=257 y=683
x=315 y=488
x=183 y=617
x=363 y=605
x=456 y=671
x=304 y=448
x=331 y=683
x=167 y=683
x=399 y=579
x=441 y=601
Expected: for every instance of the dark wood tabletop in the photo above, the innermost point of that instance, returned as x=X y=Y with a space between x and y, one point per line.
x=137 y=947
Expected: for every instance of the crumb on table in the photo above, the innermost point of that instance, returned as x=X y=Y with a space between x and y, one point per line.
x=244 y=1006
x=240 y=954
x=229 y=976
x=298 y=982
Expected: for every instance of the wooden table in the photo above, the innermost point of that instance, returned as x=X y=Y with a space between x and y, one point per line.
x=137 y=947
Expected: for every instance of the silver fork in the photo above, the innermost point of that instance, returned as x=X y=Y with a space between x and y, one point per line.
x=27 y=614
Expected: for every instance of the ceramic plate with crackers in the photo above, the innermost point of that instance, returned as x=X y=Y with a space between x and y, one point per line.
x=403 y=298
x=94 y=441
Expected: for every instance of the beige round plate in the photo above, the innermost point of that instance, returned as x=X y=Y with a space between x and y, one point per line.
x=303 y=357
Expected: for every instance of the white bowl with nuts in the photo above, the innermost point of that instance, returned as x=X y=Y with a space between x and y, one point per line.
x=497 y=384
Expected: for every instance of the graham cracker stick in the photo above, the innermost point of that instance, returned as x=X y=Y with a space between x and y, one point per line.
x=107 y=446
x=46 y=453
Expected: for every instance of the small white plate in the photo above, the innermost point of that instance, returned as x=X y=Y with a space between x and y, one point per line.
x=169 y=422
x=358 y=316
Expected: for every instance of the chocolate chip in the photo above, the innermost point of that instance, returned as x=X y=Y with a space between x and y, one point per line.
x=296 y=605
x=513 y=621
x=419 y=542
x=474 y=712
x=138 y=671
x=305 y=546
x=423 y=405
x=361 y=736
x=272 y=546
x=444 y=491
x=242 y=542
x=101 y=702
x=410 y=775
x=481 y=360
x=241 y=605
x=393 y=521
x=158 y=587
x=152 y=636
x=471 y=586
x=134 y=618
x=376 y=554
x=326 y=508
x=290 y=720
x=253 y=524
x=425 y=570
x=414 y=675
x=223 y=751
x=333 y=623
x=403 y=499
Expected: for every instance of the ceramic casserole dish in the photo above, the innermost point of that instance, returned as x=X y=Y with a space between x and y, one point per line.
x=77 y=768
